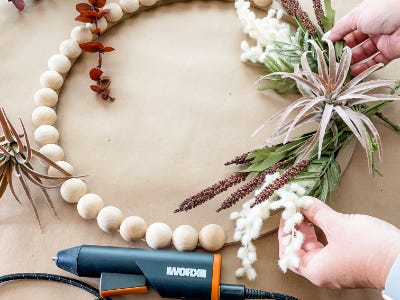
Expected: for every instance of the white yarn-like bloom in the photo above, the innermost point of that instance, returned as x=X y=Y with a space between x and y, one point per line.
x=263 y=30
x=249 y=222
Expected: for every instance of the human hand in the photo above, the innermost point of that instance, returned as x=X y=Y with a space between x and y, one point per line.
x=372 y=30
x=360 y=251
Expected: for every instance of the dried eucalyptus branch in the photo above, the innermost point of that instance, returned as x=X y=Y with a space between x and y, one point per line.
x=91 y=13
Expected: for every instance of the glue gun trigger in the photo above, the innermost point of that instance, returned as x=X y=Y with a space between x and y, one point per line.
x=114 y=284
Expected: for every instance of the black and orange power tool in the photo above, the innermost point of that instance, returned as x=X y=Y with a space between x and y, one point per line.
x=181 y=275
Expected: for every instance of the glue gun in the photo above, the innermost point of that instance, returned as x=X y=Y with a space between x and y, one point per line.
x=181 y=275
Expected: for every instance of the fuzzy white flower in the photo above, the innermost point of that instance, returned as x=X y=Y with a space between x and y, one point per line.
x=249 y=222
x=265 y=31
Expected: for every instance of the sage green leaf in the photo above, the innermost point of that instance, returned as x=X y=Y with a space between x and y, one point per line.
x=272 y=159
x=339 y=45
x=328 y=20
x=306 y=176
x=333 y=175
x=324 y=189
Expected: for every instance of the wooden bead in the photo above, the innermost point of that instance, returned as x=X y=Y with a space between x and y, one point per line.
x=101 y=24
x=46 y=97
x=262 y=3
x=129 y=6
x=52 y=152
x=44 y=115
x=51 y=79
x=72 y=189
x=148 y=2
x=212 y=237
x=89 y=206
x=63 y=164
x=109 y=218
x=81 y=34
x=59 y=63
x=133 y=228
x=158 y=235
x=115 y=14
x=185 y=238
x=46 y=134
x=70 y=49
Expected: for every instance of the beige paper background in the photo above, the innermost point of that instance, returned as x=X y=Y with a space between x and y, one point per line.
x=185 y=104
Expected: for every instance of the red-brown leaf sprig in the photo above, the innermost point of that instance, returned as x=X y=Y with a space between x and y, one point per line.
x=19 y=4
x=90 y=13
x=278 y=183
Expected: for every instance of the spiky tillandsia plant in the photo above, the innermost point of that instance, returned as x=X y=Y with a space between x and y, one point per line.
x=332 y=103
x=16 y=156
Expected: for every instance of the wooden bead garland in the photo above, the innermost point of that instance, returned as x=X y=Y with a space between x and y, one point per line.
x=262 y=3
x=158 y=235
x=59 y=63
x=133 y=228
x=44 y=115
x=46 y=134
x=185 y=238
x=81 y=34
x=72 y=189
x=148 y=2
x=89 y=206
x=211 y=237
x=129 y=6
x=109 y=218
x=63 y=164
x=115 y=14
x=46 y=97
x=70 y=49
x=101 y=24
x=51 y=79
x=52 y=152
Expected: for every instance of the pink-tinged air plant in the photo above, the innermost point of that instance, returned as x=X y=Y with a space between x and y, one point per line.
x=327 y=98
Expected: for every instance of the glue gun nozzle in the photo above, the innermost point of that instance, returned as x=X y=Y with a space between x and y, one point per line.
x=54 y=258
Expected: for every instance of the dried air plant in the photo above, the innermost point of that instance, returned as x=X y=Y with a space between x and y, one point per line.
x=331 y=102
x=15 y=164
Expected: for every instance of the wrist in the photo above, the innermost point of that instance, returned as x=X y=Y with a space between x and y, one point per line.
x=387 y=258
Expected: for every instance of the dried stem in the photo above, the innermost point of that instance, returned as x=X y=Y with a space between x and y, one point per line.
x=318 y=10
x=251 y=186
x=211 y=192
x=278 y=183
x=389 y=122
x=294 y=9
x=239 y=160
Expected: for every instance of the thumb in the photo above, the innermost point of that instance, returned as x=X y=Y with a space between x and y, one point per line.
x=321 y=214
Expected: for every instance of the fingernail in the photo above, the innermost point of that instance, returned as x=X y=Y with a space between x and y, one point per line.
x=326 y=35
x=307 y=201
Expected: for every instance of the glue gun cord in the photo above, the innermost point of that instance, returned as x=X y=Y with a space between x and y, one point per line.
x=53 y=277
